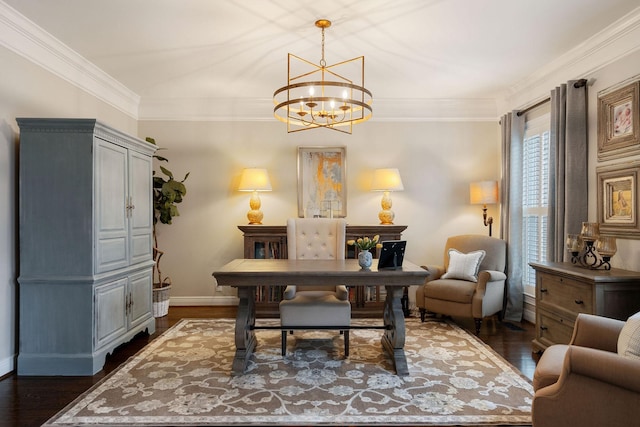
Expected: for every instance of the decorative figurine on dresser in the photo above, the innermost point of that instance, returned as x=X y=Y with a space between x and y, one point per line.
x=86 y=258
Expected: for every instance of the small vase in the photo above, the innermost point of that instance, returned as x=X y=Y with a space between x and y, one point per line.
x=365 y=259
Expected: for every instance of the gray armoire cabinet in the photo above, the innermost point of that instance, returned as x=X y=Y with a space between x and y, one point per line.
x=86 y=244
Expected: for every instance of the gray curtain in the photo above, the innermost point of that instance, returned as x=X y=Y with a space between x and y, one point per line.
x=511 y=216
x=568 y=172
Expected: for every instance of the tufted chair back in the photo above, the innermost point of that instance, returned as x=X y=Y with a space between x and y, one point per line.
x=313 y=306
x=316 y=238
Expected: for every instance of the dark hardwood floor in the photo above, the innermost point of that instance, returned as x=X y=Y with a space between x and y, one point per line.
x=30 y=401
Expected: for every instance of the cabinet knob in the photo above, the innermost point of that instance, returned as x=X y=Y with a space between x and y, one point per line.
x=543 y=328
x=543 y=290
x=579 y=301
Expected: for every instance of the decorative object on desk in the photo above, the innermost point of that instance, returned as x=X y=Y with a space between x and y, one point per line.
x=364 y=244
x=617 y=199
x=618 y=122
x=167 y=193
x=386 y=180
x=322 y=181
x=392 y=254
x=589 y=249
x=484 y=193
x=254 y=180
x=326 y=96
x=365 y=259
x=183 y=378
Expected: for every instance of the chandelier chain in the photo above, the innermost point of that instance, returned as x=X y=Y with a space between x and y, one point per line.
x=323 y=63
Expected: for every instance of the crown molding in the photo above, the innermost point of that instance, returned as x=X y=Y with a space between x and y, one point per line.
x=25 y=38
x=611 y=44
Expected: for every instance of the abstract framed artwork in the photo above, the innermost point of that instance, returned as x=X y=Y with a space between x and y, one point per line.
x=619 y=122
x=322 y=182
x=617 y=199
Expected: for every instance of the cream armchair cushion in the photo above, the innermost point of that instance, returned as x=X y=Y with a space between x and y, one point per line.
x=443 y=294
x=318 y=306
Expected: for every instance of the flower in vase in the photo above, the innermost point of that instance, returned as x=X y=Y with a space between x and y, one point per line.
x=365 y=243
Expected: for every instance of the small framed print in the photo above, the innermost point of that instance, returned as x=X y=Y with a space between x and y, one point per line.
x=618 y=122
x=322 y=182
x=618 y=204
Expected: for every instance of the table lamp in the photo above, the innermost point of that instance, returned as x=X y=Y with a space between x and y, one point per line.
x=386 y=180
x=254 y=179
x=484 y=193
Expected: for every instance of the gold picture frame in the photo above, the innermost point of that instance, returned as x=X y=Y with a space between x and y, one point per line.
x=322 y=182
x=619 y=122
x=618 y=204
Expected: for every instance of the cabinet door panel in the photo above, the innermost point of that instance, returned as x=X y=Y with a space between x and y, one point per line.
x=140 y=288
x=111 y=315
x=140 y=219
x=111 y=201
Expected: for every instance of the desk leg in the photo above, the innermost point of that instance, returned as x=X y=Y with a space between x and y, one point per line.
x=394 y=336
x=245 y=335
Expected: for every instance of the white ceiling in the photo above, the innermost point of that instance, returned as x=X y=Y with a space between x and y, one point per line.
x=415 y=50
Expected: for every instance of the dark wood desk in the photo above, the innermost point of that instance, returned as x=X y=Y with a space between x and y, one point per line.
x=247 y=274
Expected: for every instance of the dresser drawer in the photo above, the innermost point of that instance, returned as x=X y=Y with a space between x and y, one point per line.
x=571 y=295
x=553 y=328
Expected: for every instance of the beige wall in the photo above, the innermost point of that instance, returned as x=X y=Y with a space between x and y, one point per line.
x=436 y=161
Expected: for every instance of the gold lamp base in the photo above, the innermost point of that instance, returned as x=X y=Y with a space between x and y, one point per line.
x=255 y=215
x=386 y=215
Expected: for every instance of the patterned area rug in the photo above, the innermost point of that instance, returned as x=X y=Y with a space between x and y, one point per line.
x=183 y=378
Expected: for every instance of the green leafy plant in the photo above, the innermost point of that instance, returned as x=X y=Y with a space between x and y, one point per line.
x=167 y=193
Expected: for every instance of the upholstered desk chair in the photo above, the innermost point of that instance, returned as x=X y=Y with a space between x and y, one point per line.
x=322 y=306
x=595 y=380
x=471 y=283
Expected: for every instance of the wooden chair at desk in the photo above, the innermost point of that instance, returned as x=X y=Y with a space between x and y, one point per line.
x=322 y=306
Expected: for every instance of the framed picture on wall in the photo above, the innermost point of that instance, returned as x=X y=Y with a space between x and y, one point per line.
x=322 y=182
x=618 y=203
x=619 y=122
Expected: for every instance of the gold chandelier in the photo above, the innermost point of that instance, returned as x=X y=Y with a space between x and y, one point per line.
x=324 y=96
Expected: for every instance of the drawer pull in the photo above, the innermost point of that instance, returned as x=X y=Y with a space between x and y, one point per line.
x=579 y=302
x=543 y=290
x=543 y=328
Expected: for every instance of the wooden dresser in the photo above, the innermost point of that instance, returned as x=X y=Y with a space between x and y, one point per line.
x=564 y=290
x=268 y=241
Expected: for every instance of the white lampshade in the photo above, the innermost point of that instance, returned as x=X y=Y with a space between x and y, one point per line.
x=387 y=180
x=254 y=179
x=483 y=192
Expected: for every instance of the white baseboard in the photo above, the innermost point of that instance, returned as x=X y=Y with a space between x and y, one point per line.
x=7 y=365
x=529 y=308
x=203 y=301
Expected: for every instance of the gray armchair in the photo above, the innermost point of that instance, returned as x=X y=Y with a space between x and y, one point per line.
x=316 y=307
x=460 y=295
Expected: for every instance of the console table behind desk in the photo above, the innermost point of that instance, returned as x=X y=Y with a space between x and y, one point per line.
x=247 y=274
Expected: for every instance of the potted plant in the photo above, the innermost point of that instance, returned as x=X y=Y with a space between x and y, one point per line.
x=167 y=193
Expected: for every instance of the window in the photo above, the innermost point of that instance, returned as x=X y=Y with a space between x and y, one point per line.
x=535 y=192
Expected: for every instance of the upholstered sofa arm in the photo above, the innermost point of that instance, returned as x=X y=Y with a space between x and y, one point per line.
x=289 y=292
x=486 y=276
x=342 y=293
x=435 y=272
x=596 y=332
x=590 y=381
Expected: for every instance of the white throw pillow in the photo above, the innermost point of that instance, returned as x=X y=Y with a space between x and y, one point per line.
x=464 y=266
x=629 y=338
